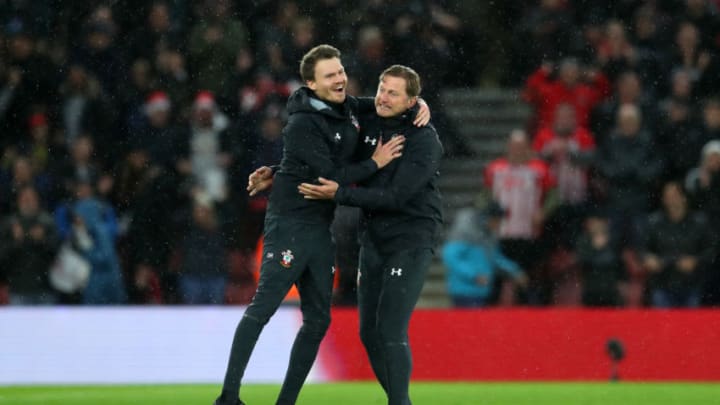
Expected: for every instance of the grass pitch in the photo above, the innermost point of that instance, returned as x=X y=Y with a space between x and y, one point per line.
x=370 y=393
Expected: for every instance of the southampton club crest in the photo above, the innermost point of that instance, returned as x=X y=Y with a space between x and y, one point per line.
x=287 y=258
x=355 y=122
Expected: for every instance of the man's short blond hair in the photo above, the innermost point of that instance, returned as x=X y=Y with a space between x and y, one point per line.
x=412 y=79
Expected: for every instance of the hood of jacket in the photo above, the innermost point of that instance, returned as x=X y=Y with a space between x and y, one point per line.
x=305 y=100
x=471 y=226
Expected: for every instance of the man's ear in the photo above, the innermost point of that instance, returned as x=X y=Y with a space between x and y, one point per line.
x=312 y=84
x=412 y=101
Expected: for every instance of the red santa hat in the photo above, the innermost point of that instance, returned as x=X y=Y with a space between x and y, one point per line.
x=157 y=101
x=204 y=100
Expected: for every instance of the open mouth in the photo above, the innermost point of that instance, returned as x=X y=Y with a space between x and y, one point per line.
x=340 y=89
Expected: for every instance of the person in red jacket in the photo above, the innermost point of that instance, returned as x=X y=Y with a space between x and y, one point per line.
x=567 y=148
x=582 y=91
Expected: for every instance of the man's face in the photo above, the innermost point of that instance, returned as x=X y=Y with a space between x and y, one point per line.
x=391 y=98
x=673 y=198
x=569 y=73
x=564 y=120
x=330 y=81
x=711 y=115
x=28 y=203
x=518 y=148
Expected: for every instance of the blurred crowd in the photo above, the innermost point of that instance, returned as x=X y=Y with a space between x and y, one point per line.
x=128 y=129
x=611 y=194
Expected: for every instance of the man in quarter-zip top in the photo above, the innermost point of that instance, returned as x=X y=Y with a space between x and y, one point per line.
x=401 y=221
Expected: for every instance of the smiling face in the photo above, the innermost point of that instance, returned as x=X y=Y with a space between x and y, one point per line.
x=330 y=80
x=391 y=98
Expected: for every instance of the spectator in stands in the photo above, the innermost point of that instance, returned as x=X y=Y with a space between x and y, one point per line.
x=369 y=58
x=583 y=90
x=149 y=192
x=703 y=185
x=544 y=32
x=629 y=90
x=616 y=53
x=131 y=98
x=208 y=150
x=701 y=179
x=28 y=244
x=681 y=89
x=158 y=135
x=145 y=230
x=174 y=79
x=649 y=48
x=39 y=147
x=472 y=256
x=29 y=81
x=91 y=227
x=254 y=96
x=157 y=34
x=84 y=108
x=630 y=166
x=711 y=119
x=703 y=14
x=23 y=175
x=680 y=139
x=522 y=185
x=274 y=36
x=600 y=260
x=676 y=247
x=302 y=38
x=689 y=54
x=568 y=150
x=202 y=256
x=213 y=44
x=81 y=164
x=233 y=98
x=99 y=52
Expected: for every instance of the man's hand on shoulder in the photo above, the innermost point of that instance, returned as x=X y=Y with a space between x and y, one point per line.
x=423 y=115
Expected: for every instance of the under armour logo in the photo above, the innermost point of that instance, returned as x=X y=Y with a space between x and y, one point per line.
x=396 y=272
x=337 y=136
x=371 y=141
x=332 y=269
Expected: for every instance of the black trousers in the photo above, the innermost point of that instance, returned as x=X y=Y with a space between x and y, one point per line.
x=389 y=286
x=294 y=253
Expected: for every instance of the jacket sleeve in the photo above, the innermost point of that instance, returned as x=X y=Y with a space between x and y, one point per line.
x=456 y=258
x=419 y=163
x=503 y=263
x=305 y=141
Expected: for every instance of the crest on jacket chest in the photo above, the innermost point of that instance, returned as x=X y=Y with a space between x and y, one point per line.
x=355 y=122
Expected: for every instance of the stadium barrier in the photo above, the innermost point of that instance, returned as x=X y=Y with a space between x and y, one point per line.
x=145 y=345
x=543 y=345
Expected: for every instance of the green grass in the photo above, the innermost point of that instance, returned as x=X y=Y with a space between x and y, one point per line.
x=370 y=393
